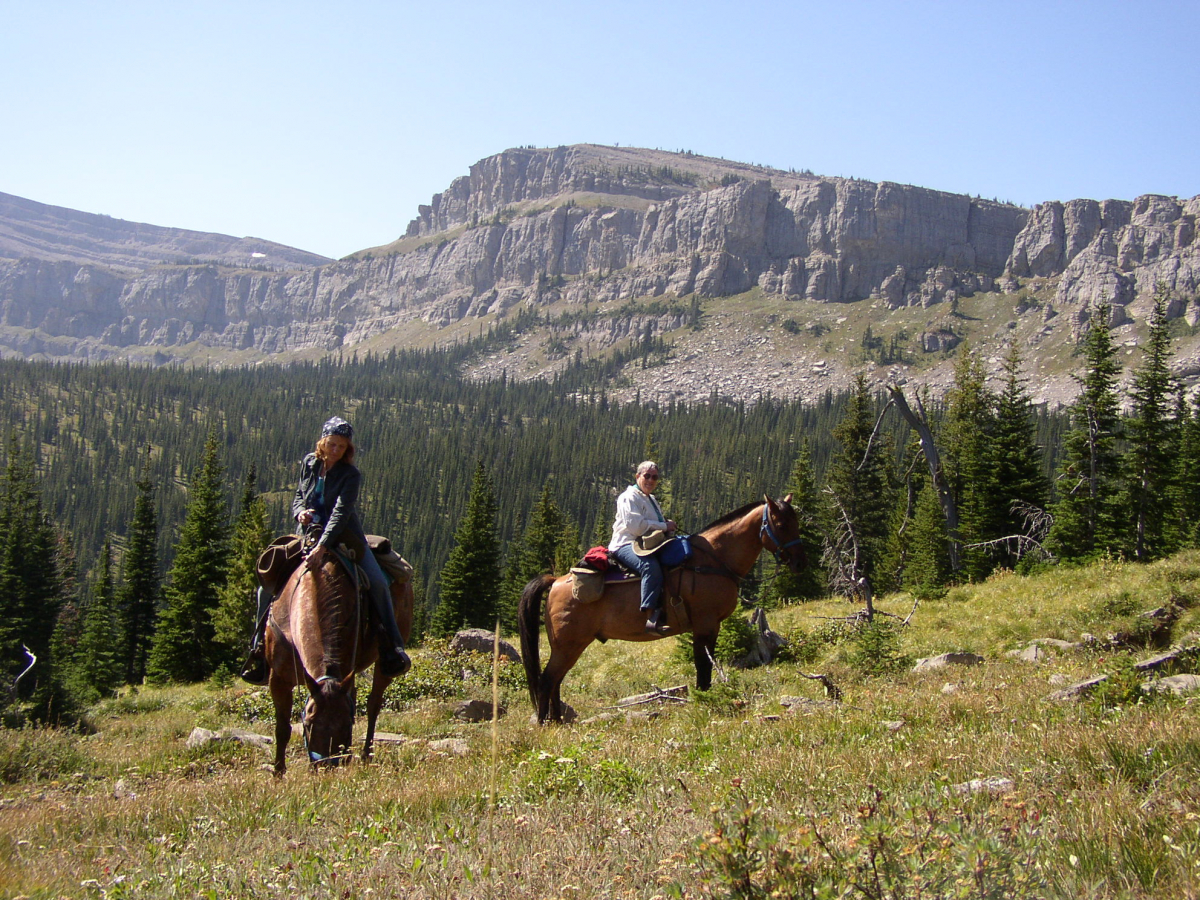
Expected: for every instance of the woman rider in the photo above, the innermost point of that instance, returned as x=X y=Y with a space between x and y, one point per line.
x=638 y=513
x=324 y=506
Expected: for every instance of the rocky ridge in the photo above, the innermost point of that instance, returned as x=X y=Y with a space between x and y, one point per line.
x=595 y=229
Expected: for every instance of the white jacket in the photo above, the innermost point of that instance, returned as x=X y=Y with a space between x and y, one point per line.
x=637 y=513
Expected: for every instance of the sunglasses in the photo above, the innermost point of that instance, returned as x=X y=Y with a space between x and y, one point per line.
x=650 y=476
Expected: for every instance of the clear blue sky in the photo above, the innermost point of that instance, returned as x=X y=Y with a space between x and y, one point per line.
x=324 y=125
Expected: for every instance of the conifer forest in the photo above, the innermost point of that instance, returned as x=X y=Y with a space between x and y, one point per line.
x=134 y=500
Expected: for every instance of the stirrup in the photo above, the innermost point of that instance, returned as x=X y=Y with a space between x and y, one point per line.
x=657 y=622
x=255 y=670
x=395 y=663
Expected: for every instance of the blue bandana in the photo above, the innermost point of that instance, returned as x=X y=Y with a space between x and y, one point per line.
x=339 y=426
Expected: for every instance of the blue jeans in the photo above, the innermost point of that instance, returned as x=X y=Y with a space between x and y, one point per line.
x=650 y=570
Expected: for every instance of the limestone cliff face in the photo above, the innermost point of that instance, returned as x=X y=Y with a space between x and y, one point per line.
x=1114 y=250
x=591 y=224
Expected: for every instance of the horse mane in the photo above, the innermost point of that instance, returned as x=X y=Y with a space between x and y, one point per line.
x=730 y=516
x=330 y=608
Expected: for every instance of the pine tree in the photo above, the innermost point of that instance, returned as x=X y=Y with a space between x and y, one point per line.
x=233 y=619
x=1184 y=491
x=928 y=564
x=783 y=585
x=968 y=434
x=534 y=554
x=30 y=596
x=183 y=648
x=1085 y=514
x=470 y=580
x=1016 y=458
x=99 y=661
x=858 y=483
x=1152 y=440
x=140 y=593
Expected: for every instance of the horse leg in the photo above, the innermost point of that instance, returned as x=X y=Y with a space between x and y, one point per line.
x=562 y=659
x=379 y=683
x=704 y=648
x=281 y=694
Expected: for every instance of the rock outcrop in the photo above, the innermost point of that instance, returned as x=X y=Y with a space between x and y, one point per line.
x=576 y=225
x=1114 y=250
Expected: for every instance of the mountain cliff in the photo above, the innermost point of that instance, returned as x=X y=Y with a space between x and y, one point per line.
x=581 y=232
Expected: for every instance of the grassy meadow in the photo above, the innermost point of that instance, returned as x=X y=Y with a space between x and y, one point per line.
x=732 y=794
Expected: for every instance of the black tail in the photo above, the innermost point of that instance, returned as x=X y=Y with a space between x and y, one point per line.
x=529 y=615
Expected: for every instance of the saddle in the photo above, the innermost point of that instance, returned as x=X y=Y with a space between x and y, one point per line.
x=284 y=554
x=599 y=568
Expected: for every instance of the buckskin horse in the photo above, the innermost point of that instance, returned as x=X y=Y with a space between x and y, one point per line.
x=318 y=635
x=699 y=595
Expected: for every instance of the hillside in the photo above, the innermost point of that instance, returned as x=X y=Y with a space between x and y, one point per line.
x=965 y=780
x=765 y=280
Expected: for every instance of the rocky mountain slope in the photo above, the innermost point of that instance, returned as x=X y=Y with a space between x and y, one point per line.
x=610 y=245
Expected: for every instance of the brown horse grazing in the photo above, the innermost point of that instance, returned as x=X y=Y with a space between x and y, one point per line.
x=699 y=595
x=318 y=635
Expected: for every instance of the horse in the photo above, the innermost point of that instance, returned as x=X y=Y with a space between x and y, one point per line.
x=703 y=593
x=318 y=635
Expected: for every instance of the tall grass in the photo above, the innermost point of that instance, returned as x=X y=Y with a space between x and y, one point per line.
x=732 y=794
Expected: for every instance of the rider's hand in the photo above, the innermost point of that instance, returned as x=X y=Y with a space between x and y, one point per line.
x=305 y=517
x=670 y=525
x=313 y=560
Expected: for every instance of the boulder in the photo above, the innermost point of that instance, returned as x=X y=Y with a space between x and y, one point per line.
x=476 y=711
x=201 y=736
x=993 y=785
x=450 y=747
x=480 y=640
x=1173 y=684
x=953 y=658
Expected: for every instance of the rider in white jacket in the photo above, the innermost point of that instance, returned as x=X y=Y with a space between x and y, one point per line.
x=638 y=513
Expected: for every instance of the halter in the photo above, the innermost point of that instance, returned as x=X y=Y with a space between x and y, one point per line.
x=767 y=530
x=313 y=755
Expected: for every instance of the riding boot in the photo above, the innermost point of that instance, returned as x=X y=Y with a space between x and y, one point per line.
x=255 y=670
x=656 y=622
x=392 y=658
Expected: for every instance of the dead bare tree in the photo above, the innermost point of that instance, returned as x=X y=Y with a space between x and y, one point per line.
x=1030 y=540
x=919 y=421
x=843 y=560
x=12 y=688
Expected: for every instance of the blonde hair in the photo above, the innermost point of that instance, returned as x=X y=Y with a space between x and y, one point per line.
x=320 y=451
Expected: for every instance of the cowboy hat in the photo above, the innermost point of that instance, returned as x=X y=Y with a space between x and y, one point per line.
x=651 y=542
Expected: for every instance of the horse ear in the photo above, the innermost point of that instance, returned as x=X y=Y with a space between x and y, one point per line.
x=313 y=687
x=787 y=500
x=767 y=500
x=345 y=683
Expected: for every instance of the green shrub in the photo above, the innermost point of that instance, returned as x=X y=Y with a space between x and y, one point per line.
x=437 y=673
x=735 y=639
x=39 y=754
x=1121 y=687
x=876 y=647
x=809 y=646
x=577 y=771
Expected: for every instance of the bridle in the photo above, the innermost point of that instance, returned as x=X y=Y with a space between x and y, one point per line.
x=768 y=531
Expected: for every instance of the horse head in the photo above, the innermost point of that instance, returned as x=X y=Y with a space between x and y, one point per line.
x=329 y=720
x=780 y=533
